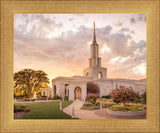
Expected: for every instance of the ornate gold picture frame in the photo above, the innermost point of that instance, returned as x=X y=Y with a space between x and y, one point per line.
x=149 y=7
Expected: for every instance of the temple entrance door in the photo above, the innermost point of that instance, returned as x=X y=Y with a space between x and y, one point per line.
x=77 y=93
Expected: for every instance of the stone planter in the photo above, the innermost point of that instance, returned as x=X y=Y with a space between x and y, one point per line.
x=126 y=113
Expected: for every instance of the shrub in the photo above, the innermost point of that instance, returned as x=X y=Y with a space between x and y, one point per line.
x=49 y=98
x=56 y=97
x=27 y=109
x=65 y=98
x=88 y=104
x=15 y=108
x=144 y=98
x=105 y=103
x=33 y=99
x=128 y=107
x=92 y=88
x=91 y=101
x=107 y=96
x=138 y=100
x=123 y=95
x=21 y=108
x=44 y=96
x=97 y=101
x=28 y=99
x=91 y=96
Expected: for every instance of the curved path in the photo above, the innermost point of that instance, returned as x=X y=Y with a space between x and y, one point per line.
x=79 y=113
x=96 y=114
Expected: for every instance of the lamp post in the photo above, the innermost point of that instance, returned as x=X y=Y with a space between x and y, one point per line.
x=60 y=105
x=73 y=112
x=84 y=100
x=100 y=105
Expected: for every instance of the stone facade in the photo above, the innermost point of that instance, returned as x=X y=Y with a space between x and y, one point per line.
x=74 y=86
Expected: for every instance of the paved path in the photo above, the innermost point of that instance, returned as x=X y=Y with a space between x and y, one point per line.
x=96 y=114
x=79 y=113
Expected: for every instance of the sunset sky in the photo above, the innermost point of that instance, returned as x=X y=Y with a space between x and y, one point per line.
x=59 y=44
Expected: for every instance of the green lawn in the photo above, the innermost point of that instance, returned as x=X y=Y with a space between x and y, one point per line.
x=47 y=110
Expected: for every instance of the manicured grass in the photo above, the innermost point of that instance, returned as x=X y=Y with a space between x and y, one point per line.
x=47 y=110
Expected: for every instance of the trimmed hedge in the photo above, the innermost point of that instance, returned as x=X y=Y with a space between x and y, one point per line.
x=56 y=97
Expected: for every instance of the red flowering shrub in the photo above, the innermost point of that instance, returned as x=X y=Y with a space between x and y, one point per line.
x=92 y=87
x=123 y=95
x=91 y=98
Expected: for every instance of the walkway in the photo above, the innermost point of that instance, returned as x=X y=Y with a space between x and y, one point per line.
x=79 y=113
x=96 y=114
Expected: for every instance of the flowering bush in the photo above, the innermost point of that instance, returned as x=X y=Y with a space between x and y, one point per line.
x=28 y=99
x=123 y=95
x=91 y=98
x=92 y=87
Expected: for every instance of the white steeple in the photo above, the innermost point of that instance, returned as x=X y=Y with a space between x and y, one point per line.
x=95 y=70
x=94 y=60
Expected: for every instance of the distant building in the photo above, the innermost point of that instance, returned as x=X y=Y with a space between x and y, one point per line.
x=75 y=87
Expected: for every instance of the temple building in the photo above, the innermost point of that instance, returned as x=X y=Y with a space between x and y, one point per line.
x=75 y=87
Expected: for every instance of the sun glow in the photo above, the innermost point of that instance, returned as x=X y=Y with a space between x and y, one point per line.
x=105 y=49
x=119 y=59
x=115 y=59
x=129 y=42
x=141 y=69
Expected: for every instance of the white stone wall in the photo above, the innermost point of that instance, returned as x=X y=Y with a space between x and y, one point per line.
x=106 y=85
x=72 y=87
x=58 y=87
x=47 y=91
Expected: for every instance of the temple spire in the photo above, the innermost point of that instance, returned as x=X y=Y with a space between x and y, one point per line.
x=94 y=34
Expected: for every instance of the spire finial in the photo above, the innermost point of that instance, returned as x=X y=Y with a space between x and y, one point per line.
x=94 y=34
x=94 y=26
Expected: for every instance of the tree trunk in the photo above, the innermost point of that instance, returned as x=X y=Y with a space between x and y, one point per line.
x=32 y=95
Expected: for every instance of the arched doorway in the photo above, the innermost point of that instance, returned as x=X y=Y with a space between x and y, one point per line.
x=99 y=75
x=77 y=93
x=54 y=90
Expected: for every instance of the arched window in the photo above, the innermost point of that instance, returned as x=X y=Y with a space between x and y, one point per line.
x=87 y=74
x=44 y=93
x=99 y=75
x=54 y=90
x=65 y=89
x=50 y=94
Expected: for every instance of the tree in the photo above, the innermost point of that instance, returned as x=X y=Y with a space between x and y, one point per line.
x=92 y=88
x=123 y=95
x=30 y=80
x=144 y=97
